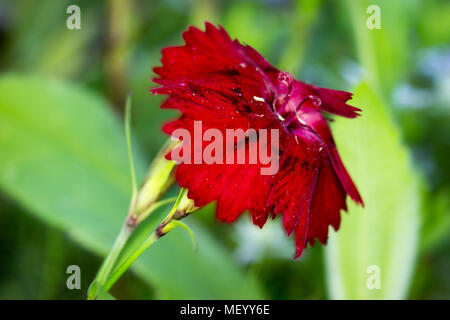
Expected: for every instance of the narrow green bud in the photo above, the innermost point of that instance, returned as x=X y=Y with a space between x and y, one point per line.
x=158 y=180
x=185 y=207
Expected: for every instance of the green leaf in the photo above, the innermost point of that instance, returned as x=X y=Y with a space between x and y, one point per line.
x=98 y=291
x=384 y=53
x=384 y=233
x=436 y=219
x=64 y=158
x=177 y=223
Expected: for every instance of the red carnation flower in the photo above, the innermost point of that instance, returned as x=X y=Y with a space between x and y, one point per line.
x=227 y=85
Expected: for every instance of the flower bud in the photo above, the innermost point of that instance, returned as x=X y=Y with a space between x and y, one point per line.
x=185 y=207
x=158 y=180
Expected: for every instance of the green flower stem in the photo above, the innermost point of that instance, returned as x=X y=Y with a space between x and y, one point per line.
x=111 y=259
x=127 y=263
x=122 y=238
x=143 y=203
x=155 y=206
x=161 y=231
x=129 y=147
x=164 y=227
x=175 y=207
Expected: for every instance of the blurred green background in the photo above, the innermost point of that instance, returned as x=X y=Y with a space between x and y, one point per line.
x=64 y=178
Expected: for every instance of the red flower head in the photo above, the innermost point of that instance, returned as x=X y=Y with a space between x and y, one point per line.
x=227 y=85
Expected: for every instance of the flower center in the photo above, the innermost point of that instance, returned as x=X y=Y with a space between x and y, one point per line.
x=296 y=114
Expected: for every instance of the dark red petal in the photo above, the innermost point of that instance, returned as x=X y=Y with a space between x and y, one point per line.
x=294 y=184
x=318 y=123
x=301 y=231
x=334 y=101
x=211 y=58
x=236 y=188
x=327 y=202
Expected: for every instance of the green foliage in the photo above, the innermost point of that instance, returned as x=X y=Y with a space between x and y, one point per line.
x=64 y=158
x=436 y=220
x=101 y=292
x=384 y=53
x=385 y=232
